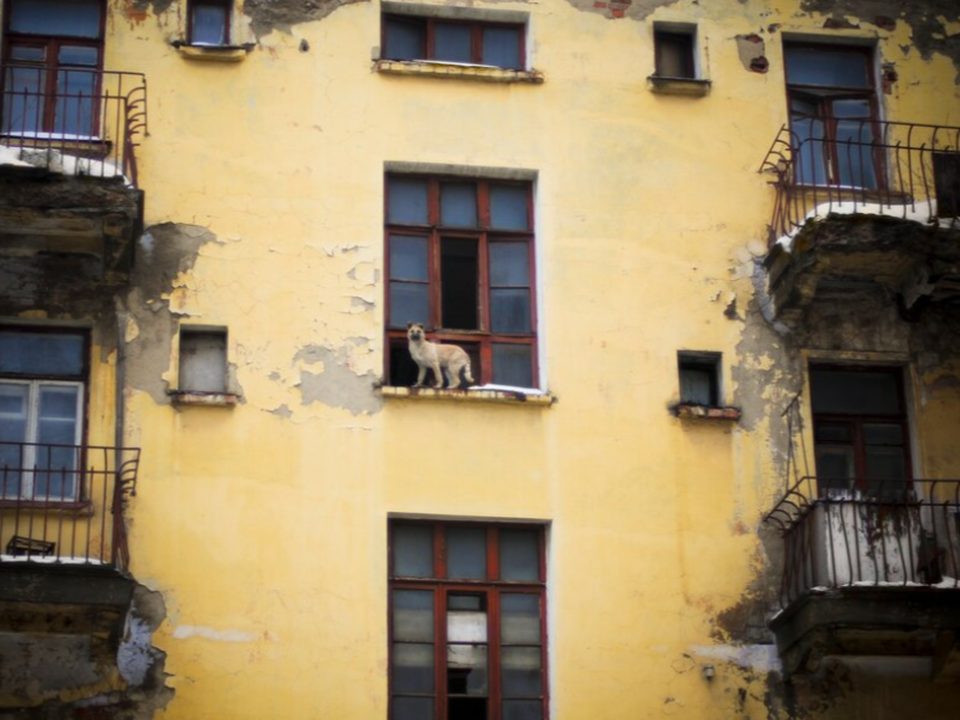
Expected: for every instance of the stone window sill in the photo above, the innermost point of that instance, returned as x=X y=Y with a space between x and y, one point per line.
x=689 y=87
x=206 y=399
x=703 y=412
x=532 y=398
x=213 y=53
x=457 y=71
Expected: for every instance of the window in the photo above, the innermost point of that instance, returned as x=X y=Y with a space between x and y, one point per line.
x=210 y=22
x=699 y=378
x=833 y=115
x=460 y=260
x=407 y=37
x=203 y=360
x=675 y=50
x=467 y=622
x=42 y=379
x=53 y=52
x=860 y=429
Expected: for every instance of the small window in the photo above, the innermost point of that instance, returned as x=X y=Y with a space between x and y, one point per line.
x=699 y=378
x=203 y=360
x=675 y=48
x=210 y=22
x=455 y=41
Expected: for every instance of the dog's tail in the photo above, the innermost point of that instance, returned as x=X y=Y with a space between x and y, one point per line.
x=466 y=374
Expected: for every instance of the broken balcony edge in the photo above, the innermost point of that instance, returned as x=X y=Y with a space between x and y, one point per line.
x=506 y=397
x=203 y=399
x=708 y=412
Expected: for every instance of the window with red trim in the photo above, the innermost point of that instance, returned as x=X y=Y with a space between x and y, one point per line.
x=407 y=37
x=467 y=622
x=460 y=260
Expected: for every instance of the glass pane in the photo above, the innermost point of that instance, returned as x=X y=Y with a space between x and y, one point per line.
x=848 y=392
x=466 y=626
x=459 y=284
x=696 y=385
x=519 y=555
x=509 y=264
x=466 y=553
x=451 y=42
x=408 y=258
x=13 y=411
x=467 y=669
x=413 y=551
x=808 y=153
x=23 y=103
x=412 y=708
x=26 y=353
x=61 y=461
x=520 y=672
x=407 y=202
x=27 y=54
x=855 y=150
x=413 y=615
x=508 y=207
x=75 y=103
x=876 y=434
x=885 y=463
x=412 y=668
x=203 y=361
x=458 y=204
x=510 y=310
x=513 y=365
x=519 y=619
x=58 y=403
x=834 y=433
x=11 y=463
x=501 y=47
x=835 y=467
x=408 y=303
x=404 y=40
x=825 y=66
x=209 y=24
x=522 y=710
x=73 y=18
x=78 y=55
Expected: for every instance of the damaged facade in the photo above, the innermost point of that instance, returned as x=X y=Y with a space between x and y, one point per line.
x=704 y=259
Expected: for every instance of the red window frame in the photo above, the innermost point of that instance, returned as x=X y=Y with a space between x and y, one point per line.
x=227 y=5
x=490 y=588
x=482 y=337
x=428 y=26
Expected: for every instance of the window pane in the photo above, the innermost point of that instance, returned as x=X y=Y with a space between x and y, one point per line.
x=501 y=47
x=855 y=154
x=73 y=18
x=413 y=615
x=522 y=710
x=209 y=24
x=203 y=361
x=520 y=672
x=407 y=201
x=13 y=428
x=808 y=153
x=58 y=403
x=851 y=392
x=74 y=113
x=466 y=553
x=27 y=353
x=413 y=551
x=408 y=258
x=876 y=434
x=458 y=204
x=413 y=668
x=509 y=264
x=513 y=364
x=467 y=669
x=404 y=40
x=835 y=467
x=825 y=66
x=78 y=55
x=408 y=303
x=459 y=284
x=519 y=555
x=519 y=619
x=885 y=463
x=23 y=103
x=11 y=463
x=451 y=42
x=27 y=54
x=466 y=626
x=412 y=708
x=508 y=207
x=510 y=310
x=834 y=433
x=696 y=385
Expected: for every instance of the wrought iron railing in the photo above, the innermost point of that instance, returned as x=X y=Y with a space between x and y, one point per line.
x=905 y=170
x=879 y=533
x=64 y=503
x=78 y=121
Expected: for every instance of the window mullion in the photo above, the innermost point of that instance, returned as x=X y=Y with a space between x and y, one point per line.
x=476 y=43
x=493 y=653
x=429 y=50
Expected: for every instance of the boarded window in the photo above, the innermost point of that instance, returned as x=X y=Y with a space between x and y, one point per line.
x=203 y=360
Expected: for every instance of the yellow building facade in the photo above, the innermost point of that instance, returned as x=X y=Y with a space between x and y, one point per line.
x=704 y=261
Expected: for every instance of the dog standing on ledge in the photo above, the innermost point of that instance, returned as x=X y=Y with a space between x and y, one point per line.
x=429 y=355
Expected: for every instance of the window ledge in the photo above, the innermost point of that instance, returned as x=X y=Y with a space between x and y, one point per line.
x=705 y=412
x=458 y=71
x=518 y=396
x=215 y=53
x=691 y=87
x=79 y=508
x=199 y=397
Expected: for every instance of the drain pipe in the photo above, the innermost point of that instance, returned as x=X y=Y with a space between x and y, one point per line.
x=121 y=379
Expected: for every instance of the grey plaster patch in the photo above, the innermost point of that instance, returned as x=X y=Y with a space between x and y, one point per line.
x=337 y=385
x=268 y=15
x=637 y=10
x=283 y=412
x=362 y=303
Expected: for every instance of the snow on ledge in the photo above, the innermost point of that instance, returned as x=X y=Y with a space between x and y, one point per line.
x=50 y=560
x=56 y=161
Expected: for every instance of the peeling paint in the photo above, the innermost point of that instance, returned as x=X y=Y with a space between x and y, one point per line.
x=337 y=384
x=616 y=9
x=233 y=636
x=269 y=15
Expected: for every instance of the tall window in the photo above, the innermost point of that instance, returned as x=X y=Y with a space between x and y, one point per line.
x=42 y=378
x=833 y=115
x=860 y=429
x=53 y=50
x=407 y=37
x=460 y=260
x=467 y=622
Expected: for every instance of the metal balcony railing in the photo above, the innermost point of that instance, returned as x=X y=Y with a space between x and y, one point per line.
x=77 y=121
x=905 y=170
x=879 y=533
x=64 y=503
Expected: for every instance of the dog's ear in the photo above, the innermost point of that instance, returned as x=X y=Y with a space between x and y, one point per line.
x=409 y=325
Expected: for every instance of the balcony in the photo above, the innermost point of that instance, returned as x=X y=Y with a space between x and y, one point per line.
x=876 y=210
x=872 y=571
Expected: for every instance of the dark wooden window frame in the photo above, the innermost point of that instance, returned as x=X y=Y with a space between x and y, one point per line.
x=809 y=93
x=476 y=37
x=227 y=21
x=682 y=37
x=491 y=588
x=433 y=231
